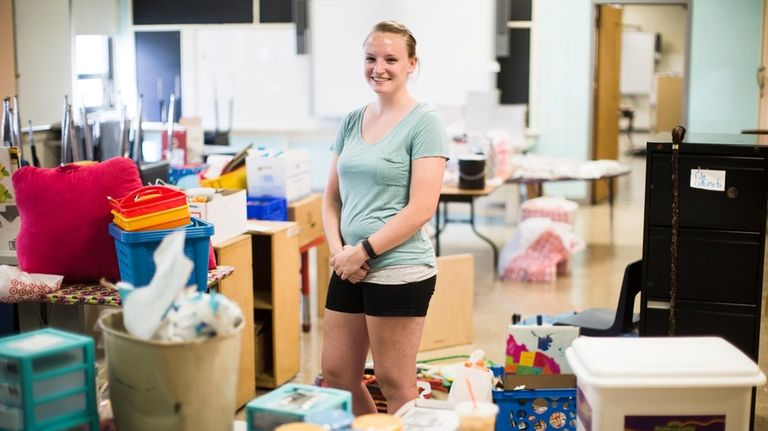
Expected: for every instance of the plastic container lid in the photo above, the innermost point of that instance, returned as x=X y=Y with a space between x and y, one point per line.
x=377 y=422
x=479 y=408
x=298 y=426
x=664 y=362
x=332 y=419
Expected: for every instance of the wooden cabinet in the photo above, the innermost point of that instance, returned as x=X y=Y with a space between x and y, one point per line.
x=236 y=252
x=276 y=288
x=721 y=239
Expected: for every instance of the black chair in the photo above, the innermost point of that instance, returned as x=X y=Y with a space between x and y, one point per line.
x=604 y=322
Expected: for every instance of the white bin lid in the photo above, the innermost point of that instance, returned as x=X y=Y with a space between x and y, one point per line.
x=662 y=362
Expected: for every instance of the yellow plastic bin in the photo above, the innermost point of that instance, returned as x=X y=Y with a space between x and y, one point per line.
x=165 y=219
x=232 y=180
x=156 y=385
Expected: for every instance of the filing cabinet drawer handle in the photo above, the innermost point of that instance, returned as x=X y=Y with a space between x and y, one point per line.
x=658 y=305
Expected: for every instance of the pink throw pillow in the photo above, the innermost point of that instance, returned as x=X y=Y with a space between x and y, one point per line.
x=65 y=217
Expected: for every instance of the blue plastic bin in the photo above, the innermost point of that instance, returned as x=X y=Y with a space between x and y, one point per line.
x=267 y=208
x=135 y=250
x=534 y=409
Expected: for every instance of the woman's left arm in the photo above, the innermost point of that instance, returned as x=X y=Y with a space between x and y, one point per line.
x=424 y=193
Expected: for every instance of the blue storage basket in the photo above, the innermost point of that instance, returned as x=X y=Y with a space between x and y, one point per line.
x=267 y=208
x=534 y=409
x=135 y=250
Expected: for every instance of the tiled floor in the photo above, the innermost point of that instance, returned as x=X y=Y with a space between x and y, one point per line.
x=594 y=282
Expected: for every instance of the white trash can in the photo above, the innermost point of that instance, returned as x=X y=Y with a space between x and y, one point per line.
x=659 y=383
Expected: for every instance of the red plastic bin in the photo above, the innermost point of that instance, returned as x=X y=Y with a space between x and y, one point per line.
x=147 y=200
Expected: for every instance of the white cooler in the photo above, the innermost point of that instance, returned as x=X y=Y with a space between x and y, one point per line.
x=653 y=383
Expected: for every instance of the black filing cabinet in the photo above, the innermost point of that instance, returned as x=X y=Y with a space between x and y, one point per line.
x=721 y=238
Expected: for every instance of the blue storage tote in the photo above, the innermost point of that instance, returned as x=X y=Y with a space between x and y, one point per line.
x=292 y=403
x=534 y=409
x=47 y=382
x=267 y=208
x=135 y=250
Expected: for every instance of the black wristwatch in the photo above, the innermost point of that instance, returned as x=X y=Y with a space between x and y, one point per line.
x=368 y=249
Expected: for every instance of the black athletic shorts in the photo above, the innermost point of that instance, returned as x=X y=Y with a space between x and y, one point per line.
x=373 y=299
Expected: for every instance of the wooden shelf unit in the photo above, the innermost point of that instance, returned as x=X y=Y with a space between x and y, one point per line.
x=236 y=252
x=276 y=285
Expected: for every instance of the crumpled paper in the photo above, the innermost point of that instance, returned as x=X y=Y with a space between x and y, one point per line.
x=166 y=310
x=18 y=286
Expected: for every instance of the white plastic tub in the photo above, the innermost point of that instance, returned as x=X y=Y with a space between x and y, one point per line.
x=644 y=383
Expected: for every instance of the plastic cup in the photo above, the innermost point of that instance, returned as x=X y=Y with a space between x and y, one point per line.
x=479 y=416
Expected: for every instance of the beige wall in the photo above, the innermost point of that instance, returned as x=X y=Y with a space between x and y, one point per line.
x=7 y=60
x=669 y=21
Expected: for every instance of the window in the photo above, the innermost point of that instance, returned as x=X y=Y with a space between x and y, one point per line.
x=93 y=72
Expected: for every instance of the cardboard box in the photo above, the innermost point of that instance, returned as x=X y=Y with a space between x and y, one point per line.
x=10 y=222
x=226 y=211
x=308 y=214
x=552 y=381
x=286 y=175
x=451 y=310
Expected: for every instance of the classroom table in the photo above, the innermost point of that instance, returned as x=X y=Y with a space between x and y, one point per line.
x=104 y=294
x=452 y=193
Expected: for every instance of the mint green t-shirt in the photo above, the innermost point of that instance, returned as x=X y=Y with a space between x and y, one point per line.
x=374 y=179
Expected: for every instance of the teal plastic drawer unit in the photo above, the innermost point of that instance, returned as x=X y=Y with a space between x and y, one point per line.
x=292 y=403
x=47 y=382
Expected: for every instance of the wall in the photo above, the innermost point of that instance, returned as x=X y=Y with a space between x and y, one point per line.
x=562 y=80
x=669 y=21
x=725 y=55
x=454 y=43
x=43 y=52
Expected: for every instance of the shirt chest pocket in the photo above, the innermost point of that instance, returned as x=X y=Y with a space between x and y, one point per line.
x=392 y=172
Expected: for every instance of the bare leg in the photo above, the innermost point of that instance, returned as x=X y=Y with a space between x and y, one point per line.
x=394 y=343
x=345 y=347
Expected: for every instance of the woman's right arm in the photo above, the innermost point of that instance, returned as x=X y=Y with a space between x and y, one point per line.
x=332 y=209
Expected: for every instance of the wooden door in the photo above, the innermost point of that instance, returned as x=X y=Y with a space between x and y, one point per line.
x=7 y=56
x=605 y=144
x=762 y=74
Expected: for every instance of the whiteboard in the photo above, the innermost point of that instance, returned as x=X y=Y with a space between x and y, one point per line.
x=637 y=62
x=256 y=67
x=454 y=44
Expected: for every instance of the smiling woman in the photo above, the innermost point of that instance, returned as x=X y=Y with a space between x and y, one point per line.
x=383 y=186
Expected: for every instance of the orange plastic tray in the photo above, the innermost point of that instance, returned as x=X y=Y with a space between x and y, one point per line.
x=148 y=200
x=165 y=219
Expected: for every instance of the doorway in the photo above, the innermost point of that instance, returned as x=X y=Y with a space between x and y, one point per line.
x=640 y=57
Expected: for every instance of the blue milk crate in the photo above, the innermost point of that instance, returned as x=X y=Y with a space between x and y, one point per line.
x=135 y=252
x=267 y=208
x=292 y=403
x=534 y=409
x=47 y=382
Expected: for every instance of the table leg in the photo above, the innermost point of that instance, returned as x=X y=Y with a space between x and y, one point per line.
x=437 y=230
x=610 y=202
x=307 y=318
x=481 y=236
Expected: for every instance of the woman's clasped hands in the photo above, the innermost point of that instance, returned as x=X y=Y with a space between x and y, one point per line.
x=350 y=263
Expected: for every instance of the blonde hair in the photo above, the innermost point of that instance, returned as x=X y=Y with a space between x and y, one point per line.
x=395 y=27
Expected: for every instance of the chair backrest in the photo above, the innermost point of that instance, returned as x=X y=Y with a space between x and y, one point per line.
x=630 y=287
